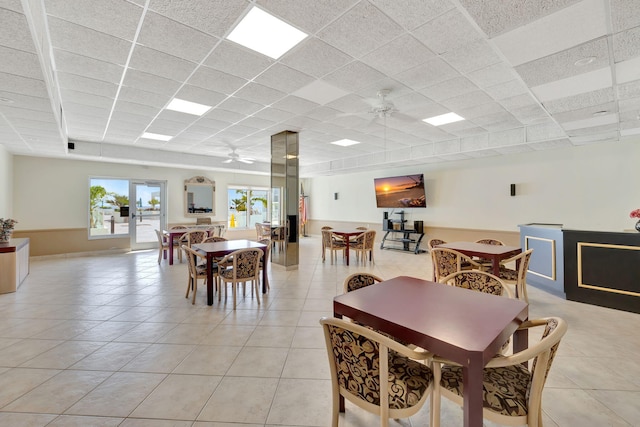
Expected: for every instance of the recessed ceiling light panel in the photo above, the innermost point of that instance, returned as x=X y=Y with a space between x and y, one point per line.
x=188 y=107
x=266 y=34
x=443 y=119
x=345 y=142
x=156 y=136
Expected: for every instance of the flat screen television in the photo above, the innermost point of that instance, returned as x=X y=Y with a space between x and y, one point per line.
x=406 y=191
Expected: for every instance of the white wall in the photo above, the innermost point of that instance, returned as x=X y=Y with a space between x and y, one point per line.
x=54 y=193
x=591 y=187
x=6 y=184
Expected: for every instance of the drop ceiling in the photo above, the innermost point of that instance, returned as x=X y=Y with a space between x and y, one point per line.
x=526 y=76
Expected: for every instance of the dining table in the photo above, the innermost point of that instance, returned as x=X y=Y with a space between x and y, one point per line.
x=463 y=326
x=346 y=235
x=220 y=249
x=496 y=253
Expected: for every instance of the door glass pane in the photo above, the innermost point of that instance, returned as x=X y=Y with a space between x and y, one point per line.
x=108 y=207
x=147 y=215
x=259 y=203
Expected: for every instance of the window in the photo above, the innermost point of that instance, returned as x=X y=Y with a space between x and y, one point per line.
x=247 y=206
x=108 y=207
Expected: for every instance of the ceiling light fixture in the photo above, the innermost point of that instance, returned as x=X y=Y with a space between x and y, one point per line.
x=266 y=34
x=584 y=61
x=156 y=136
x=345 y=142
x=443 y=119
x=188 y=107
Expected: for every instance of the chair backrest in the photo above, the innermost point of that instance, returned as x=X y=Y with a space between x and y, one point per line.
x=542 y=353
x=447 y=261
x=161 y=240
x=522 y=262
x=192 y=255
x=267 y=243
x=178 y=227
x=326 y=227
x=326 y=238
x=214 y=239
x=203 y=221
x=244 y=263
x=361 y=228
x=359 y=280
x=369 y=239
x=477 y=280
x=360 y=361
x=490 y=242
x=434 y=242
x=195 y=237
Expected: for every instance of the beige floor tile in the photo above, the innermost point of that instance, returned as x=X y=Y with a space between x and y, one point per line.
x=80 y=421
x=178 y=397
x=271 y=336
x=259 y=362
x=111 y=356
x=311 y=337
x=578 y=408
x=26 y=420
x=626 y=404
x=208 y=360
x=228 y=335
x=159 y=358
x=241 y=399
x=301 y=402
x=25 y=350
x=16 y=382
x=307 y=364
x=64 y=355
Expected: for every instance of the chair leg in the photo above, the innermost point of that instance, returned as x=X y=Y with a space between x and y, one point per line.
x=195 y=290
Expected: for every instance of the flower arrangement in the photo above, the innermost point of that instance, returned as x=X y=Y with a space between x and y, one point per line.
x=6 y=228
x=635 y=214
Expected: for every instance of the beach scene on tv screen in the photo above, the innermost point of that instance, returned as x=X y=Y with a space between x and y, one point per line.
x=405 y=191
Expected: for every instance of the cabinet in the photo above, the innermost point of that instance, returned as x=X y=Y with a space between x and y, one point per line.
x=398 y=237
x=14 y=264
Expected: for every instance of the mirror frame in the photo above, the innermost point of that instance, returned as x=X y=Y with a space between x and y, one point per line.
x=199 y=181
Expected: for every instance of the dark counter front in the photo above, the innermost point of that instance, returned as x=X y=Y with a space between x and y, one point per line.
x=603 y=268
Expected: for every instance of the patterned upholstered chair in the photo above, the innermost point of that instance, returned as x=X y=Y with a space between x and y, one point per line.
x=240 y=266
x=517 y=276
x=512 y=391
x=163 y=246
x=214 y=239
x=374 y=372
x=194 y=237
x=364 y=244
x=432 y=243
x=477 y=280
x=333 y=245
x=448 y=261
x=196 y=271
x=485 y=261
x=179 y=241
x=359 y=280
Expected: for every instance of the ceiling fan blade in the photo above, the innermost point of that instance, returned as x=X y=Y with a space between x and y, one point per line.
x=247 y=161
x=228 y=161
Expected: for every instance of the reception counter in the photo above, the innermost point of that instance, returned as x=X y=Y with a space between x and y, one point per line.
x=594 y=267
x=14 y=264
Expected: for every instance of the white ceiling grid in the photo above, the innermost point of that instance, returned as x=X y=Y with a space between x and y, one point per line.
x=509 y=68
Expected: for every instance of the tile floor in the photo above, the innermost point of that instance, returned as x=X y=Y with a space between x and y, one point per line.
x=111 y=341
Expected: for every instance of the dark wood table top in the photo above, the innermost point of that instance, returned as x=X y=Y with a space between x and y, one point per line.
x=481 y=249
x=451 y=322
x=229 y=246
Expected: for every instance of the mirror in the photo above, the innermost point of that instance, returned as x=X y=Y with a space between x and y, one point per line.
x=199 y=197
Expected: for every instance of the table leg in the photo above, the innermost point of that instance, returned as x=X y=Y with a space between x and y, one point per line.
x=209 y=278
x=472 y=405
x=346 y=242
x=265 y=276
x=171 y=249
x=495 y=263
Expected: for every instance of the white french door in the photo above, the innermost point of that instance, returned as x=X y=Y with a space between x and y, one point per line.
x=147 y=212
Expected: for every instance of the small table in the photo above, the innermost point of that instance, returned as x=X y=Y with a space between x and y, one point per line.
x=463 y=326
x=495 y=253
x=346 y=235
x=219 y=249
x=174 y=233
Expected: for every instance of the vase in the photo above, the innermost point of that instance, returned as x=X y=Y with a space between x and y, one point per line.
x=638 y=225
x=5 y=236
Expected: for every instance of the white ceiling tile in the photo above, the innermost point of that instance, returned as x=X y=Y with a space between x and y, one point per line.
x=492 y=75
x=20 y=63
x=150 y=83
x=472 y=56
x=86 y=99
x=315 y=57
x=295 y=105
x=512 y=149
x=544 y=131
x=185 y=42
x=593 y=130
x=283 y=78
x=475 y=142
x=579 y=101
x=591 y=122
x=160 y=63
x=591 y=139
x=273 y=114
x=584 y=113
x=447 y=32
x=241 y=106
x=530 y=114
x=548 y=145
x=22 y=85
x=87 y=84
x=627 y=71
x=87 y=42
x=561 y=65
x=413 y=13
x=629 y=90
x=480 y=110
x=399 y=55
x=449 y=88
x=200 y=95
x=88 y=67
x=366 y=26
x=353 y=76
x=211 y=16
x=135 y=108
x=427 y=74
x=216 y=81
x=631 y=104
x=14 y=31
x=582 y=83
x=236 y=60
x=555 y=32
x=308 y=16
x=626 y=45
x=625 y=14
x=320 y=92
x=507 y=137
x=507 y=89
x=467 y=100
x=143 y=97
x=259 y=94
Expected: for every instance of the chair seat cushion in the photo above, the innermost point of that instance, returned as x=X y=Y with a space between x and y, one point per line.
x=508 y=274
x=504 y=391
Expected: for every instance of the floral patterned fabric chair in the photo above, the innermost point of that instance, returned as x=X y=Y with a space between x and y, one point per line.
x=240 y=266
x=163 y=246
x=364 y=244
x=448 y=261
x=333 y=245
x=485 y=261
x=196 y=271
x=477 y=280
x=359 y=280
x=374 y=372
x=512 y=392
x=517 y=276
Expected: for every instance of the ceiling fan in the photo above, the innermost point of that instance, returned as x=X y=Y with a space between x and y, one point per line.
x=384 y=107
x=235 y=157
